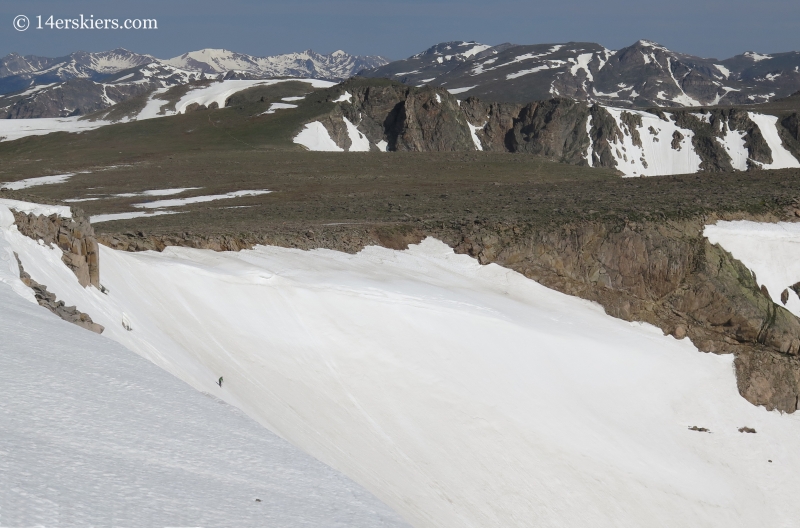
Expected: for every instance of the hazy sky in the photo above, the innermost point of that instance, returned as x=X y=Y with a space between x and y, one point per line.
x=399 y=28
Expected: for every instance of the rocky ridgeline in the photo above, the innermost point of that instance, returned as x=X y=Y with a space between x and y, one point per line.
x=49 y=300
x=560 y=129
x=661 y=272
x=75 y=236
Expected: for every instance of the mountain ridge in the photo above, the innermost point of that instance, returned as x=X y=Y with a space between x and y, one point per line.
x=82 y=82
x=18 y=72
x=645 y=74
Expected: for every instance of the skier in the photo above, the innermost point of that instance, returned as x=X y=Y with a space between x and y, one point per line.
x=220 y=382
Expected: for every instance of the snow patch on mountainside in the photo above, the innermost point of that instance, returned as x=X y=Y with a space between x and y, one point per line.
x=11 y=129
x=770 y=251
x=473 y=132
x=358 y=141
x=734 y=145
x=781 y=158
x=33 y=182
x=315 y=136
x=456 y=91
x=219 y=92
x=655 y=157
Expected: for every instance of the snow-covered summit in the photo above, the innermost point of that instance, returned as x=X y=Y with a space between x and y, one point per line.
x=335 y=66
x=644 y=74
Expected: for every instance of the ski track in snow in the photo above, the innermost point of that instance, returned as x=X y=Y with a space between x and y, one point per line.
x=460 y=394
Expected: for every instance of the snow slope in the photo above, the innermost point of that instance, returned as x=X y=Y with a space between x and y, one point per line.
x=655 y=157
x=315 y=136
x=460 y=394
x=94 y=435
x=781 y=158
x=771 y=251
x=219 y=92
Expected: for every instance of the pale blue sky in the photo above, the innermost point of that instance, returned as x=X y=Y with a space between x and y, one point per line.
x=399 y=28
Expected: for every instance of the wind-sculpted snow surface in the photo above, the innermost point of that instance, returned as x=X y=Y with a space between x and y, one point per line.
x=460 y=394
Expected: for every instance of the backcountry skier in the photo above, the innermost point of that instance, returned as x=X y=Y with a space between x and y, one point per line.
x=220 y=382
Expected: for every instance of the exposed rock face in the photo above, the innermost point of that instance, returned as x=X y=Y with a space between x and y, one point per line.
x=49 y=301
x=560 y=129
x=663 y=273
x=407 y=119
x=75 y=237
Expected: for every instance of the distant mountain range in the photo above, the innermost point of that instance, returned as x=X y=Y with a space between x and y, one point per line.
x=644 y=74
x=81 y=83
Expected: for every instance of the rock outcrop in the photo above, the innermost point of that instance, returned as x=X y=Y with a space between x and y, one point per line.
x=49 y=300
x=75 y=236
x=426 y=119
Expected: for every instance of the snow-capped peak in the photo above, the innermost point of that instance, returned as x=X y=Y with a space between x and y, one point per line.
x=756 y=56
x=337 y=65
x=650 y=44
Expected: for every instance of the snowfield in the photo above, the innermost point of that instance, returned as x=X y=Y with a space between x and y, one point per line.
x=771 y=251
x=93 y=435
x=459 y=394
x=655 y=157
